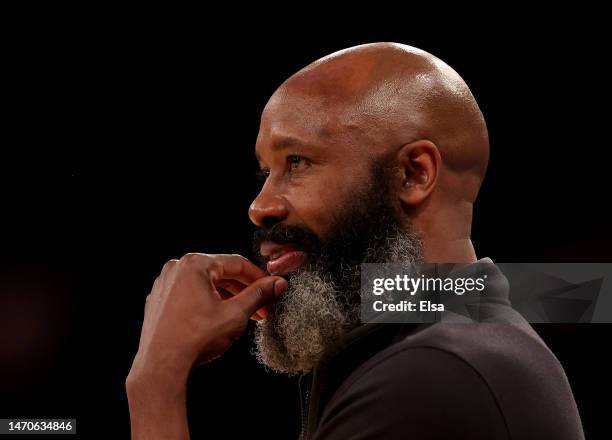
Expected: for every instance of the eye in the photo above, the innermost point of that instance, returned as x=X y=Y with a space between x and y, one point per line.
x=294 y=161
x=262 y=174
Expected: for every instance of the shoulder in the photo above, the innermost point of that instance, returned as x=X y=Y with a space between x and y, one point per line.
x=488 y=351
x=478 y=378
x=416 y=391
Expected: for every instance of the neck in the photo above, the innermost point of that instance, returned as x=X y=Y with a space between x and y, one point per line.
x=460 y=250
x=446 y=234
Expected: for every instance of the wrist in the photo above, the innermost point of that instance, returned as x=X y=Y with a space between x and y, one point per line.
x=151 y=381
x=157 y=409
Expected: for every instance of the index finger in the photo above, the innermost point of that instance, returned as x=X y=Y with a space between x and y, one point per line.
x=237 y=267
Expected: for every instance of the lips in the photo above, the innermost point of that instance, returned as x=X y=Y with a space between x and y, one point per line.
x=281 y=259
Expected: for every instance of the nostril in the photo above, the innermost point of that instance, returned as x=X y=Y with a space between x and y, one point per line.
x=268 y=222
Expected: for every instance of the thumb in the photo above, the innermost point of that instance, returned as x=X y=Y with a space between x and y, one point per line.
x=263 y=291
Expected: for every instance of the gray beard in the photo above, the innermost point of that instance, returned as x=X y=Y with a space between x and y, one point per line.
x=315 y=312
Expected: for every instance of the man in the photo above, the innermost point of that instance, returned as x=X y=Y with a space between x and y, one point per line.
x=372 y=154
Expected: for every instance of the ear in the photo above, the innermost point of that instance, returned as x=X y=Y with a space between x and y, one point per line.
x=420 y=163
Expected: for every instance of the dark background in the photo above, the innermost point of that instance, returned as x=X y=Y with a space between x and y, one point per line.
x=130 y=142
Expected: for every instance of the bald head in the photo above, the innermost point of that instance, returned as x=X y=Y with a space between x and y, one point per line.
x=377 y=97
x=388 y=103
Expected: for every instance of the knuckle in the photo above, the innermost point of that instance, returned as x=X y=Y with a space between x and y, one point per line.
x=169 y=265
x=205 y=263
x=214 y=265
x=187 y=258
x=192 y=258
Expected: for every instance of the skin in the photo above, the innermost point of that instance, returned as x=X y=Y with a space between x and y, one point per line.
x=318 y=133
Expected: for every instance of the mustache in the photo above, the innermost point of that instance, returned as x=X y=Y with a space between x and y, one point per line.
x=299 y=236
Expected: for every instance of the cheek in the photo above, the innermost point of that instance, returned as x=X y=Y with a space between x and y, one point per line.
x=315 y=204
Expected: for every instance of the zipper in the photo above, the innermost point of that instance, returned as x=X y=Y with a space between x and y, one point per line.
x=305 y=414
x=304 y=403
x=312 y=408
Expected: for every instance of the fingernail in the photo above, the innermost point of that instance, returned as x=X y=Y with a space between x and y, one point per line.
x=280 y=286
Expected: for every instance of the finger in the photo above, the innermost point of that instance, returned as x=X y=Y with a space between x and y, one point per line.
x=233 y=286
x=260 y=293
x=238 y=268
x=238 y=272
x=229 y=288
x=169 y=265
x=224 y=266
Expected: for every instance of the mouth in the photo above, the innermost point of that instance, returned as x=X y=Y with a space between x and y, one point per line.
x=281 y=258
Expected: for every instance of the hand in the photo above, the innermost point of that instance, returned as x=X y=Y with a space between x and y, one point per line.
x=198 y=307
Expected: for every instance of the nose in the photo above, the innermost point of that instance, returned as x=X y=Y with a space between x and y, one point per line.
x=268 y=209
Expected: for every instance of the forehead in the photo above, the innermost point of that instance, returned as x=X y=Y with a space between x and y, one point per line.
x=308 y=119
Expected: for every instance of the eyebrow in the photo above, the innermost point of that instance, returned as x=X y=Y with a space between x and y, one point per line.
x=284 y=143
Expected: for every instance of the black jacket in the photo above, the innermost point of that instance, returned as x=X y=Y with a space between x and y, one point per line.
x=486 y=380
